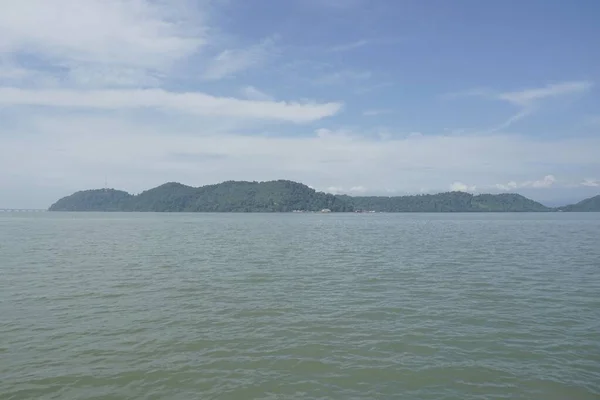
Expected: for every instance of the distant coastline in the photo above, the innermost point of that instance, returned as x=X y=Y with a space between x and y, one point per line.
x=289 y=196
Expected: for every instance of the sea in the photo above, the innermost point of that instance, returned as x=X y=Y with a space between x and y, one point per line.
x=299 y=306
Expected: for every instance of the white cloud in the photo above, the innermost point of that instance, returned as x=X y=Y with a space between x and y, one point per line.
x=231 y=61
x=116 y=43
x=357 y=189
x=364 y=42
x=112 y=77
x=252 y=93
x=546 y=182
x=193 y=103
x=512 y=185
x=113 y=58
x=99 y=43
x=589 y=182
x=74 y=153
x=462 y=187
x=514 y=118
x=12 y=72
x=527 y=100
x=354 y=190
x=350 y=46
x=141 y=33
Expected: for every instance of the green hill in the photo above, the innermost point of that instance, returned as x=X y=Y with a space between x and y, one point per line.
x=588 y=205
x=283 y=196
x=94 y=200
x=448 y=202
x=231 y=196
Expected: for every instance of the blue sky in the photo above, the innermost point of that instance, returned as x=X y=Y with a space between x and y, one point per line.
x=347 y=96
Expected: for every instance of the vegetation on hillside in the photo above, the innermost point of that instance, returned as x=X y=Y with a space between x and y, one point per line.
x=94 y=200
x=588 y=205
x=448 y=202
x=286 y=196
x=231 y=196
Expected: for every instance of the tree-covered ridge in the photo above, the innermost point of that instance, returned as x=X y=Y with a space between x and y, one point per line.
x=588 y=205
x=286 y=196
x=94 y=200
x=448 y=202
x=230 y=196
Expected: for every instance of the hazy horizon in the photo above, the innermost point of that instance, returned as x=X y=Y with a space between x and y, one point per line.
x=549 y=203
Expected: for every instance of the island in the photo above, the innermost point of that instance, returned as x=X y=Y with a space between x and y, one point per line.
x=289 y=196
x=588 y=205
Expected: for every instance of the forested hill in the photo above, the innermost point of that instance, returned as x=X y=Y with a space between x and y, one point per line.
x=590 y=205
x=448 y=202
x=231 y=196
x=283 y=196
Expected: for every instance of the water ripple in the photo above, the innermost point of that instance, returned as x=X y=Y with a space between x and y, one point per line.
x=181 y=306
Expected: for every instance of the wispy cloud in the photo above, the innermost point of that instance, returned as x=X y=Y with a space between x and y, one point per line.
x=528 y=97
x=232 y=61
x=546 y=182
x=192 y=103
x=350 y=46
x=140 y=33
x=590 y=182
x=511 y=120
x=355 y=190
x=13 y=74
x=98 y=43
x=91 y=147
x=116 y=43
x=527 y=100
x=112 y=77
x=525 y=97
x=252 y=93
x=115 y=55
x=343 y=47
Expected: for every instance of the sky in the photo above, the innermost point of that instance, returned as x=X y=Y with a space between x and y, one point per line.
x=378 y=97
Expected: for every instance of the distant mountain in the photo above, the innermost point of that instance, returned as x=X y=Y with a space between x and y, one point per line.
x=283 y=196
x=448 y=202
x=231 y=196
x=588 y=205
x=94 y=200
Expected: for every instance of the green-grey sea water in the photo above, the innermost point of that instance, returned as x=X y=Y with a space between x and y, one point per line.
x=299 y=306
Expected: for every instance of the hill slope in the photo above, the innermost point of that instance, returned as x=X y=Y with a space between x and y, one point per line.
x=282 y=196
x=588 y=205
x=231 y=196
x=94 y=200
x=448 y=202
